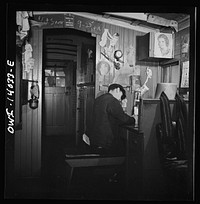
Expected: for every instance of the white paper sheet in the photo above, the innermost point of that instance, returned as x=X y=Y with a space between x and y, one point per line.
x=185 y=75
x=86 y=139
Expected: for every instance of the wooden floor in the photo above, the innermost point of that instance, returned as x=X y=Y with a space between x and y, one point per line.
x=52 y=183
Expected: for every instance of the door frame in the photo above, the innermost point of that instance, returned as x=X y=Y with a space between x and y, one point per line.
x=78 y=80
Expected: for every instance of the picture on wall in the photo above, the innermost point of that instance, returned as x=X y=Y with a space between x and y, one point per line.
x=163 y=45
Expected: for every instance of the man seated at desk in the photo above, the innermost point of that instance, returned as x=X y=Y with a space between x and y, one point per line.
x=108 y=116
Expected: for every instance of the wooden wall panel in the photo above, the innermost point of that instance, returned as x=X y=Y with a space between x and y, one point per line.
x=59 y=115
x=37 y=117
x=171 y=74
x=48 y=106
x=127 y=40
x=23 y=146
x=175 y=74
x=28 y=140
x=29 y=131
x=98 y=55
x=177 y=46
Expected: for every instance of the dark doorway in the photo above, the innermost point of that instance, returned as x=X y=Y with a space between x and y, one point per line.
x=59 y=70
x=63 y=62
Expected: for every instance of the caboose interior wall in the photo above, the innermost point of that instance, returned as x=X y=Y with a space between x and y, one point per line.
x=28 y=139
x=82 y=86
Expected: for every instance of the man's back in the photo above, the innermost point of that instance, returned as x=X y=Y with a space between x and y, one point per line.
x=107 y=116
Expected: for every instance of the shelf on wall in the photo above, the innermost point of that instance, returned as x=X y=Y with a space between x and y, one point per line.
x=170 y=62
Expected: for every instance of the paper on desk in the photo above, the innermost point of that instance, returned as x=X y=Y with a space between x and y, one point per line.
x=86 y=139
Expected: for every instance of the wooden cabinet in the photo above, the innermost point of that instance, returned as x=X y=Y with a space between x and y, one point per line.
x=148 y=47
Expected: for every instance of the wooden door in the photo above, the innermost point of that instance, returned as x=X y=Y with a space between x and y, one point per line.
x=55 y=111
x=60 y=106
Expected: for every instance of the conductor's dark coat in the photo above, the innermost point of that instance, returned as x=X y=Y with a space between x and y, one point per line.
x=107 y=116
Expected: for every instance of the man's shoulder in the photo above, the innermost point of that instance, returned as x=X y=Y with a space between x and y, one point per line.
x=105 y=97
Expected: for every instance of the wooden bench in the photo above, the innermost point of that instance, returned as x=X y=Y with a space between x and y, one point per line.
x=89 y=160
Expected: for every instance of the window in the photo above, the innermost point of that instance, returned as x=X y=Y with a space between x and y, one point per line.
x=54 y=77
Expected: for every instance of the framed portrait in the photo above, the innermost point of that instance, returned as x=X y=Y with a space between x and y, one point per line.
x=163 y=45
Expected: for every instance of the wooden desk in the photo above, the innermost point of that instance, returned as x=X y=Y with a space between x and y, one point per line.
x=134 y=161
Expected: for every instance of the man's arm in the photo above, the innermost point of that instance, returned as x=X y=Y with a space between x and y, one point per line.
x=116 y=110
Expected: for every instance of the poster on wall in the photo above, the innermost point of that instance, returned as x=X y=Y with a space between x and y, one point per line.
x=185 y=75
x=163 y=45
x=185 y=44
